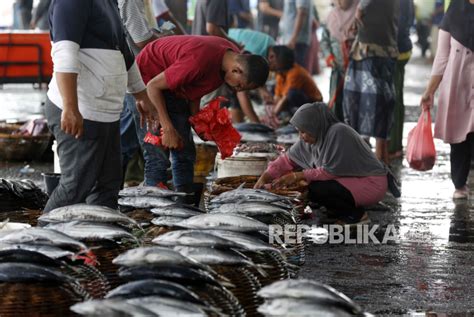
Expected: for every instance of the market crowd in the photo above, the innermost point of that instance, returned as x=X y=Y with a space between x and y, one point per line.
x=121 y=70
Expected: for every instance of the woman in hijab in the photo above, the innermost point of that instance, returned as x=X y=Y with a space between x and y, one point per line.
x=343 y=173
x=453 y=74
x=336 y=43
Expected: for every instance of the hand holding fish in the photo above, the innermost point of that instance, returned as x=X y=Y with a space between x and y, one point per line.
x=262 y=181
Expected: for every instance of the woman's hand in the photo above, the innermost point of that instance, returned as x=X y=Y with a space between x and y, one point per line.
x=427 y=100
x=288 y=180
x=262 y=181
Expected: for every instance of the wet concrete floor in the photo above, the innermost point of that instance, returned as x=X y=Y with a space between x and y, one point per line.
x=429 y=268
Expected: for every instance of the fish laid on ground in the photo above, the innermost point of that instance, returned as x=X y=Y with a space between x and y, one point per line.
x=154 y=256
x=28 y=272
x=300 y=308
x=193 y=238
x=92 y=231
x=250 y=209
x=308 y=289
x=83 y=212
x=177 y=211
x=257 y=137
x=244 y=241
x=224 y=222
x=211 y=256
x=166 y=221
x=48 y=250
x=41 y=236
x=163 y=306
x=241 y=194
x=110 y=307
x=252 y=127
x=145 y=202
x=25 y=256
x=180 y=274
x=151 y=191
x=154 y=287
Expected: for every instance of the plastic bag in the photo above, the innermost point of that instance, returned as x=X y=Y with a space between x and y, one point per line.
x=421 y=152
x=213 y=124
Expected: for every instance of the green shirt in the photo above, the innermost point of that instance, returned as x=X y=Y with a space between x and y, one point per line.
x=255 y=42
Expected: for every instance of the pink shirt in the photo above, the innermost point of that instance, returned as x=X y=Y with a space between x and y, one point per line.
x=366 y=191
x=455 y=116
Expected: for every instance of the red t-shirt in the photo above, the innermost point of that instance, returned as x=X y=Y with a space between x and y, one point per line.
x=192 y=64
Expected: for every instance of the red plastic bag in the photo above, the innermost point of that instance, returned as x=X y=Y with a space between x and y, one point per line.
x=421 y=152
x=213 y=124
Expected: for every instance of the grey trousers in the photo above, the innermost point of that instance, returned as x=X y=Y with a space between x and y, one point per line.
x=91 y=170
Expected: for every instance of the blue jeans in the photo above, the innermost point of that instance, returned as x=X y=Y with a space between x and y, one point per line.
x=157 y=159
x=128 y=135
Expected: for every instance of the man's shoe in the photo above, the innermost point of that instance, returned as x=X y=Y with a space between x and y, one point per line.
x=461 y=193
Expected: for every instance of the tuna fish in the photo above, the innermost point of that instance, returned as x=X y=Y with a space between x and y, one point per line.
x=111 y=307
x=211 y=256
x=311 y=291
x=41 y=236
x=25 y=256
x=92 y=231
x=193 y=238
x=223 y=222
x=241 y=194
x=166 y=221
x=150 y=191
x=47 y=250
x=300 y=307
x=153 y=287
x=163 y=306
x=28 y=272
x=177 y=211
x=250 y=209
x=83 y=212
x=244 y=241
x=145 y=202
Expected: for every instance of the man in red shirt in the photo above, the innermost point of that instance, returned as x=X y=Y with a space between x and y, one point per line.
x=178 y=71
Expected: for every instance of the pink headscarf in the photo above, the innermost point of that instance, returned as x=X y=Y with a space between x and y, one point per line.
x=339 y=21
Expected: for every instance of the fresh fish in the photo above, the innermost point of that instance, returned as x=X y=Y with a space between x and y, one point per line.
x=250 y=209
x=150 y=191
x=311 y=290
x=177 y=211
x=47 y=250
x=153 y=287
x=156 y=256
x=252 y=127
x=241 y=194
x=92 y=231
x=244 y=241
x=223 y=221
x=166 y=221
x=300 y=307
x=41 y=236
x=145 y=202
x=180 y=274
x=111 y=307
x=25 y=256
x=163 y=306
x=84 y=212
x=28 y=272
x=211 y=256
x=257 y=137
x=193 y=238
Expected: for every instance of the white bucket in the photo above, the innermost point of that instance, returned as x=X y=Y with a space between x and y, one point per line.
x=57 y=169
x=241 y=165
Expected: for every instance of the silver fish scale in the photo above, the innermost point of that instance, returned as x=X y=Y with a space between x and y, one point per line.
x=212 y=256
x=145 y=202
x=223 y=221
x=175 y=211
x=151 y=191
x=92 y=231
x=193 y=238
x=78 y=214
x=41 y=236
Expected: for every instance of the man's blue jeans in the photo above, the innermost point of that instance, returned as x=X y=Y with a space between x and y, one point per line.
x=157 y=160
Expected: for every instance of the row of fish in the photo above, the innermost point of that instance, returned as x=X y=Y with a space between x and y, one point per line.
x=306 y=298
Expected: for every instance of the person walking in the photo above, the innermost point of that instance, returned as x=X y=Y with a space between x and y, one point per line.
x=452 y=75
x=369 y=92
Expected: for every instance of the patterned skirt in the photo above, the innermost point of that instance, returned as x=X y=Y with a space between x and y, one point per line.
x=369 y=96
